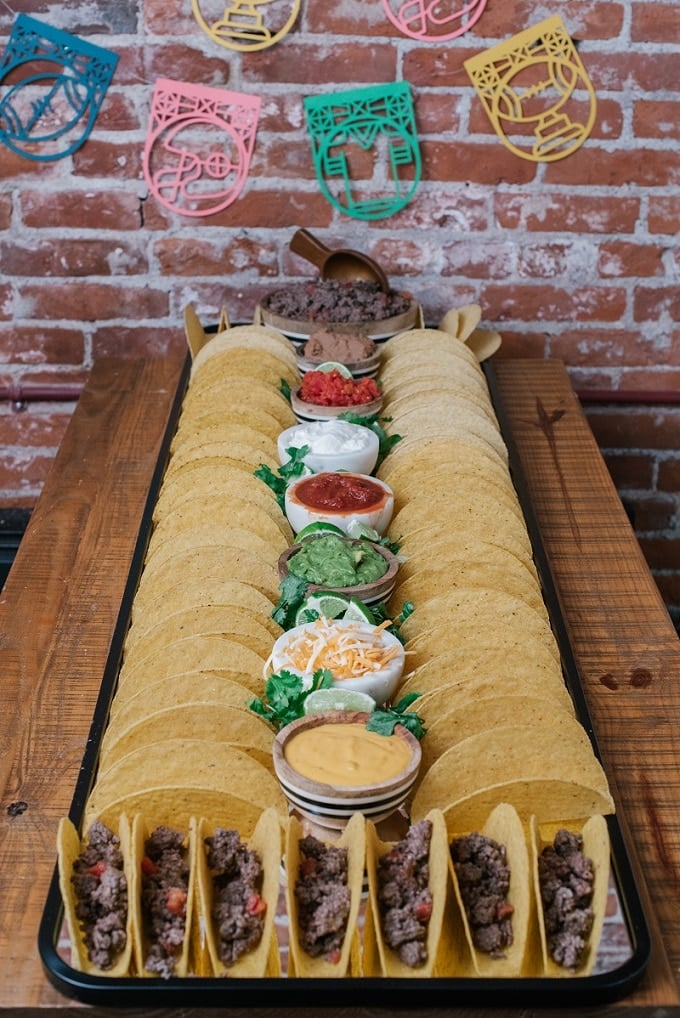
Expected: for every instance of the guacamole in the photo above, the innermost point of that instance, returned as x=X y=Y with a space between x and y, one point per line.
x=333 y=561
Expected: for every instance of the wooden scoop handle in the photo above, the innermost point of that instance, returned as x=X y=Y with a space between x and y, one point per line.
x=308 y=247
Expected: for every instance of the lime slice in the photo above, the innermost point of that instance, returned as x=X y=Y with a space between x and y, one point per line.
x=357 y=611
x=338 y=699
x=326 y=602
x=313 y=529
x=329 y=366
x=358 y=530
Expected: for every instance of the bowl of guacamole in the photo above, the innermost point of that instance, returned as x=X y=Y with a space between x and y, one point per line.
x=356 y=567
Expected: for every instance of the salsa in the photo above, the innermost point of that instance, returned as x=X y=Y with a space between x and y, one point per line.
x=332 y=561
x=339 y=491
x=330 y=388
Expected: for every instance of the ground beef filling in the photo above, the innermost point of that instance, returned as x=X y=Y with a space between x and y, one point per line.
x=404 y=896
x=566 y=879
x=238 y=909
x=483 y=876
x=101 y=896
x=165 y=883
x=335 y=300
x=323 y=899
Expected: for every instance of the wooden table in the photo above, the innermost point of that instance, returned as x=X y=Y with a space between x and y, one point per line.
x=60 y=604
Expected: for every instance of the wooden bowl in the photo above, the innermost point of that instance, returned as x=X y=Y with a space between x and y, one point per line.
x=377 y=329
x=330 y=805
x=369 y=593
x=306 y=412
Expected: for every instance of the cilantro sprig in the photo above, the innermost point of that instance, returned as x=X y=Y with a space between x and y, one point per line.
x=285 y=695
x=383 y=720
x=295 y=467
x=381 y=614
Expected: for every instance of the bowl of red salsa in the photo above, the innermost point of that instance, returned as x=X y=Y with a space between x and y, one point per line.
x=323 y=395
x=339 y=497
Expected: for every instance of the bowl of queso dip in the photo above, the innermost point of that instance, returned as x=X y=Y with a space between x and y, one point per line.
x=339 y=497
x=329 y=766
x=331 y=445
x=357 y=568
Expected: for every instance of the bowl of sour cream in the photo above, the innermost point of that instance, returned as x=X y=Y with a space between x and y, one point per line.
x=332 y=445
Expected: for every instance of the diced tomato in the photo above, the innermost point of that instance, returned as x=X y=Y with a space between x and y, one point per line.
x=505 y=910
x=175 y=900
x=149 y=867
x=98 y=869
x=256 y=905
x=330 y=388
x=334 y=956
x=308 y=866
x=424 y=911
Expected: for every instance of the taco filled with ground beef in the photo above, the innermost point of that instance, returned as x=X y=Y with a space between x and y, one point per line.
x=490 y=872
x=95 y=878
x=571 y=881
x=407 y=882
x=238 y=888
x=323 y=894
x=162 y=899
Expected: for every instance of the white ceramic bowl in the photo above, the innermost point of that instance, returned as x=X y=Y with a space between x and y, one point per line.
x=300 y=514
x=330 y=805
x=380 y=684
x=306 y=412
x=323 y=437
x=369 y=593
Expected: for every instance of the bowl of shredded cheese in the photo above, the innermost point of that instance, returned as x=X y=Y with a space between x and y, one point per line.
x=359 y=655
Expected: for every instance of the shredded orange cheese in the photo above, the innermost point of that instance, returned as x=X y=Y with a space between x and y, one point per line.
x=347 y=652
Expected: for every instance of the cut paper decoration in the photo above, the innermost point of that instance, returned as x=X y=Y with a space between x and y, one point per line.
x=365 y=149
x=433 y=20
x=53 y=85
x=242 y=26
x=536 y=92
x=199 y=146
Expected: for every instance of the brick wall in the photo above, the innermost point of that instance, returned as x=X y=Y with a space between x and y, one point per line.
x=576 y=259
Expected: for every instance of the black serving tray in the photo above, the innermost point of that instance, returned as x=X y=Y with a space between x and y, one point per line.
x=601 y=987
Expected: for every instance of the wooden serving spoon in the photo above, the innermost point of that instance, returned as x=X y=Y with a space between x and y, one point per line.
x=343 y=263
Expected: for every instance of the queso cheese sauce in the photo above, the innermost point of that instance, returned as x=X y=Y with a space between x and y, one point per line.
x=347 y=755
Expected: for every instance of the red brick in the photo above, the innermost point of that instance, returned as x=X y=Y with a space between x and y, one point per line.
x=145 y=341
x=585 y=21
x=577 y=213
x=71 y=257
x=661 y=552
x=91 y=302
x=619 y=258
x=438 y=66
x=591 y=166
x=119 y=113
x=522 y=344
x=438 y=114
x=37 y=426
x=605 y=347
x=636 y=427
x=334 y=63
x=541 y=302
x=162 y=19
x=484 y=163
x=272 y=209
x=668 y=477
x=77 y=209
x=634 y=69
x=656 y=119
x=23 y=344
x=5 y=211
x=631 y=471
x=456 y=212
x=6 y=302
x=353 y=17
x=654 y=304
x=651 y=513
x=23 y=473
x=205 y=62
x=658 y=377
x=484 y=260
x=113 y=160
x=658 y=22
x=608 y=120
x=193 y=257
x=542 y=261
x=664 y=214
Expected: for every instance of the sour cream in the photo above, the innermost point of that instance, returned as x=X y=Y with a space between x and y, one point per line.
x=333 y=445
